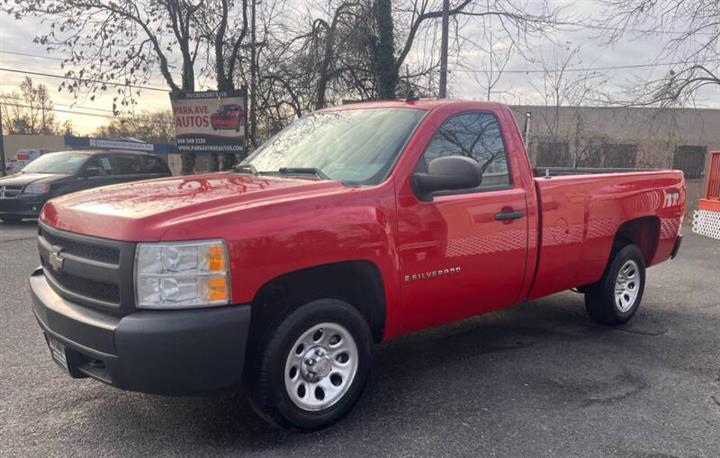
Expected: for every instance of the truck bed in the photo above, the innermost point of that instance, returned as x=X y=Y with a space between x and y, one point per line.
x=581 y=214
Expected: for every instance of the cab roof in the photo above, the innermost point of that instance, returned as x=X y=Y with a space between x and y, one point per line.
x=421 y=104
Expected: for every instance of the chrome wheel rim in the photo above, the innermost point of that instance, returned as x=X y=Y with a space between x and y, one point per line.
x=627 y=286
x=321 y=366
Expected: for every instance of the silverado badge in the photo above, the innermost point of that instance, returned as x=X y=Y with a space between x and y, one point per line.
x=432 y=274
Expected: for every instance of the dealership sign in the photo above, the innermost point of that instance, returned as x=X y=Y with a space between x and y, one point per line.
x=210 y=121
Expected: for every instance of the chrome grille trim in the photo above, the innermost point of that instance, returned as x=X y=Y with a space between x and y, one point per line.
x=10 y=192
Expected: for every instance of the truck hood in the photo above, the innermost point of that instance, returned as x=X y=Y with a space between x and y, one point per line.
x=144 y=211
x=24 y=179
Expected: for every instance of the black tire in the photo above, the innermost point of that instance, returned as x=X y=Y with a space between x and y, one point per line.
x=266 y=375
x=600 y=299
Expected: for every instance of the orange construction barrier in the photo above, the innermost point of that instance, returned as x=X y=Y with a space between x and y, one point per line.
x=706 y=220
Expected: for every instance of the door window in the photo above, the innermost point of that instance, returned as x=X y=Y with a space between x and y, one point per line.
x=153 y=164
x=100 y=165
x=473 y=135
x=125 y=164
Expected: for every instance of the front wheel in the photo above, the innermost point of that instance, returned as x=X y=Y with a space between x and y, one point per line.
x=313 y=367
x=617 y=296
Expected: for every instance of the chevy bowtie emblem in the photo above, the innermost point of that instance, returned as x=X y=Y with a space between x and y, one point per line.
x=55 y=261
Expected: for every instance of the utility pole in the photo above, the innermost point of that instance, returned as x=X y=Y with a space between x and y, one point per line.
x=253 y=74
x=444 y=49
x=2 y=148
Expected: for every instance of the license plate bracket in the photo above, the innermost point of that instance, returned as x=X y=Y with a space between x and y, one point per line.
x=58 y=352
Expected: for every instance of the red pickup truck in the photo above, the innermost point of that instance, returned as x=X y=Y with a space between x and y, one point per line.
x=352 y=226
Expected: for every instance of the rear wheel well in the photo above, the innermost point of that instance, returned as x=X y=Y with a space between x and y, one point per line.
x=358 y=283
x=642 y=232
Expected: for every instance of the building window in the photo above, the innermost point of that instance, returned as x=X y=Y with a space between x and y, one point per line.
x=619 y=156
x=691 y=160
x=553 y=154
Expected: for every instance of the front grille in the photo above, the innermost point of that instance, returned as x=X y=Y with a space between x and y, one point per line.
x=96 y=253
x=88 y=270
x=106 y=292
x=10 y=192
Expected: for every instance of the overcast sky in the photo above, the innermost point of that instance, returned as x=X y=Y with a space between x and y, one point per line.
x=518 y=85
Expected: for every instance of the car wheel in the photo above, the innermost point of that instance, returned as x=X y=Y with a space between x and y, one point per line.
x=313 y=368
x=617 y=296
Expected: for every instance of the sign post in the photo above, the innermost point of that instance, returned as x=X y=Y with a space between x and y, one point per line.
x=210 y=121
x=2 y=148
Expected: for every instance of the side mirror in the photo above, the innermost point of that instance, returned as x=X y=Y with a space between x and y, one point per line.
x=447 y=173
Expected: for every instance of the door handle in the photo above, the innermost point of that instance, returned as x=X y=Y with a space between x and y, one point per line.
x=508 y=215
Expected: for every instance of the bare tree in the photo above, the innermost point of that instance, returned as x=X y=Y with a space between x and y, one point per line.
x=343 y=50
x=561 y=89
x=415 y=18
x=133 y=40
x=126 y=40
x=695 y=45
x=30 y=111
x=151 y=127
x=489 y=72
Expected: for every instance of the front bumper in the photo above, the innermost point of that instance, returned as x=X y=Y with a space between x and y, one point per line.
x=176 y=352
x=27 y=205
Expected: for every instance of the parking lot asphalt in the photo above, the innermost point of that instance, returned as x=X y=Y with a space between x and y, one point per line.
x=538 y=379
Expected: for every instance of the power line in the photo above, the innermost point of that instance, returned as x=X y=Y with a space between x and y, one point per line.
x=82 y=113
x=18 y=53
x=631 y=30
x=82 y=80
x=84 y=107
x=57 y=110
x=587 y=69
x=468 y=70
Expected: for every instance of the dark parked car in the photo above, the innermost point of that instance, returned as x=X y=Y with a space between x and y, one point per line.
x=22 y=195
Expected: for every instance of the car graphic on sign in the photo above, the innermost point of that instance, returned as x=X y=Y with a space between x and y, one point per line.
x=228 y=117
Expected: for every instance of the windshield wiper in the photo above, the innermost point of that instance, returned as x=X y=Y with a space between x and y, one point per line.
x=303 y=171
x=246 y=168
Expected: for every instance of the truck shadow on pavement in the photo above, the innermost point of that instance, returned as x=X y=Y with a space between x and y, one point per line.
x=540 y=350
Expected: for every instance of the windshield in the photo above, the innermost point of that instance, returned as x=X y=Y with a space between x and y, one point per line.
x=60 y=163
x=353 y=146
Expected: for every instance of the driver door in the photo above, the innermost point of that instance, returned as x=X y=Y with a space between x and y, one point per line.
x=459 y=253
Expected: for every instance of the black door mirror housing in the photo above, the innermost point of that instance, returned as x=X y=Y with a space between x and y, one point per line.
x=447 y=173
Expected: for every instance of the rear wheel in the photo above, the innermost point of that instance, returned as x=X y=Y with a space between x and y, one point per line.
x=313 y=366
x=617 y=296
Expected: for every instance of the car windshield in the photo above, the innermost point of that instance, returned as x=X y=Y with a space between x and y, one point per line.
x=65 y=163
x=356 y=146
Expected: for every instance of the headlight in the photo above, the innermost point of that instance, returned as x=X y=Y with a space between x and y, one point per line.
x=182 y=275
x=37 y=188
